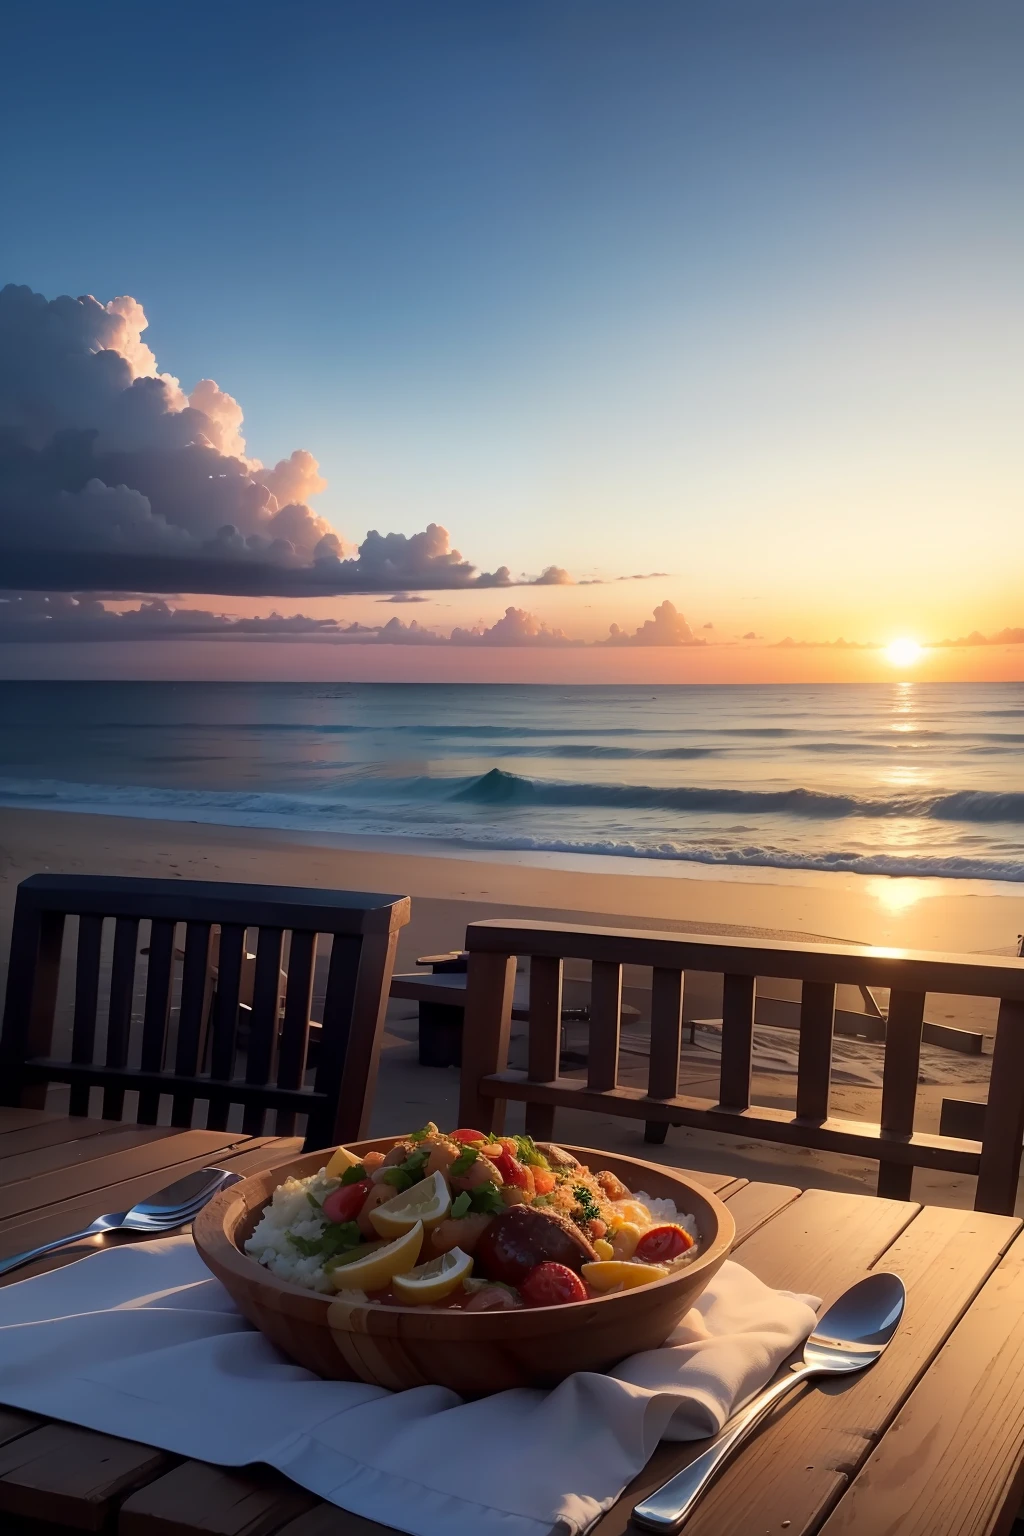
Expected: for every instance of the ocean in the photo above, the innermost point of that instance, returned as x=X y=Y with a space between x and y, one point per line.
x=923 y=779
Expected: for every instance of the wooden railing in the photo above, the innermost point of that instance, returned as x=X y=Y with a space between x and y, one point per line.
x=909 y=974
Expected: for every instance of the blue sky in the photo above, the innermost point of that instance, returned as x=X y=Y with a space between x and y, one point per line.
x=730 y=290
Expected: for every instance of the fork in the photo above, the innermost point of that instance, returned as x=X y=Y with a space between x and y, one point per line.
x=168 y=1208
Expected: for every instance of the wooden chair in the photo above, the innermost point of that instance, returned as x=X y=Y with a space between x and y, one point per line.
x=909 y=974
x=363 y=932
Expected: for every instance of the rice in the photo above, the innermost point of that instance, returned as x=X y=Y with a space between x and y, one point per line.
x=665 y=1210
x=290 y=1212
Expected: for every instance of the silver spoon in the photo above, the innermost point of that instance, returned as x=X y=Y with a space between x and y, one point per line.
x=849 y=1337
x=168 y=1208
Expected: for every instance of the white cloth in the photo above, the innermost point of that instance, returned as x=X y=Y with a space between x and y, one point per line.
x=140 y=1341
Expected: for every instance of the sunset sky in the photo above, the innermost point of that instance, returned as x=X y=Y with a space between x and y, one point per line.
x=726 y=292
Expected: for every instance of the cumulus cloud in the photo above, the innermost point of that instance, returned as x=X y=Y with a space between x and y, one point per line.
x=789 y=644
x=404 y=597
x=112 y=477
x=667 y=627
x=32 y=616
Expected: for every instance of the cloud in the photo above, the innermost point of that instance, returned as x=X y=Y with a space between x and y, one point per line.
x=62 y=616
x=707 y=626
x=667 y=627
x=552 y=576
x=113 y=478
x=789 y=644
x=1002 y=637
x=403 y=597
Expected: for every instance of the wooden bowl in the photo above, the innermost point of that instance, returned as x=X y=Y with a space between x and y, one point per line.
x=471 y=1352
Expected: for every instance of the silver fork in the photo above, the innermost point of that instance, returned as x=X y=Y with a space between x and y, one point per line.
x=168 y=1208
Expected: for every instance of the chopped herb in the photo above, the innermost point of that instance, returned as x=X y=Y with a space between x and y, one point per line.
x=335 y=1238
x=404 y=1175
x=430 y=1129
x=307 y=1246
x=397 y=1178
x=587 y=1208
x=463 y=1163
x=544 y=1200
x=486 y=1200
x=460 y=1205
x=354 y=1174
x=529 y=1154
x=315 y=1203
x=360 y=1251
x=339 y=1237
x=416 y=1161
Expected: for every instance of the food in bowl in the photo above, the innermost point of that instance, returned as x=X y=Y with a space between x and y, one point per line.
x=465 y=1221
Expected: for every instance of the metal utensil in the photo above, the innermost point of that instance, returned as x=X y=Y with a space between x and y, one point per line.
x=168 y=1208
x=850 y=1336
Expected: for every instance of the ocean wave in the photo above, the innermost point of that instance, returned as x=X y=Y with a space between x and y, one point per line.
x=313 y=814
x=497 y=788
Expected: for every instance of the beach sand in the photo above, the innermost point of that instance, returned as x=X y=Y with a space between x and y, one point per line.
x=450 y=891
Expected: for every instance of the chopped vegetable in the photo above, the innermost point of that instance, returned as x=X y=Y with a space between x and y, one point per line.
x=464 y=1162
x=430 y=1129
x=346 y=1203
x=661 y=1244
x=552 y=1285
x=461 y=1204
x=528 y=1152
x=467 y=1137
x=486 y=1199
x=404 y=1175
x=334 y=1239
x=354 y=1174
x=587 y=1208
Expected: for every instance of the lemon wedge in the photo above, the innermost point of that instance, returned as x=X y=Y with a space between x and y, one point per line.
x=379 y=1268
x=609 y=1273
x=434 y=1281
x=428 y=1202
x=340 y=1160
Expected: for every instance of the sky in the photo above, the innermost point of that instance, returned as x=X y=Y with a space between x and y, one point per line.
x=725 y=292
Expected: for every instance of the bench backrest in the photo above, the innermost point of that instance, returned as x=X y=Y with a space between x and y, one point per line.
x=487 y=1083
x=183 y=1040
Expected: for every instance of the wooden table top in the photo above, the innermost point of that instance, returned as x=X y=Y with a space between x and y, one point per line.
x=930 y=1442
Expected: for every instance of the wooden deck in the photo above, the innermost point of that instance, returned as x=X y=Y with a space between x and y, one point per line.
x=930 y=1442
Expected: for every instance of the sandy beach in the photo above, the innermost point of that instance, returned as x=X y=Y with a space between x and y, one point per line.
x=448 y=892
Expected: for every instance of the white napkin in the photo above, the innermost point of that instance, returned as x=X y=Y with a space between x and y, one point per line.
x=140 y=1341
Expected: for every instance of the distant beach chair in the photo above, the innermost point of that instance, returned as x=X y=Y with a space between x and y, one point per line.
x=136 y=1056
x=487 y=1083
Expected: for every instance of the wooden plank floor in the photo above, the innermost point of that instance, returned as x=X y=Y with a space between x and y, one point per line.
x=930 y=1442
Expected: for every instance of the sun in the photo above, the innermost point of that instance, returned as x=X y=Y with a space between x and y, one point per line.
x=903 y=653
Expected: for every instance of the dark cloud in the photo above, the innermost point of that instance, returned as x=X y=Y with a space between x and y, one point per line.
x=667 y=627
x=112 y=478
x=750 y=635
x=403 y=597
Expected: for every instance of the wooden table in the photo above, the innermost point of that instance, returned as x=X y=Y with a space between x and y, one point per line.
x=928 y=1443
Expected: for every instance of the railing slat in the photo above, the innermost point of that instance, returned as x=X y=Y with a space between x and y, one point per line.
x=814 y=1062
x=605 y=1022
x=159 y=972
x=119 y=1014
x=263 y=1024
x=899 y=1085
x=737 y=1041
x=225 y=1016
x=194 y=977
x=291 y=1062
x=490 y=983
x=87 y=985
x=666 y=1043
x=1004 y=1118
x=545 y=1038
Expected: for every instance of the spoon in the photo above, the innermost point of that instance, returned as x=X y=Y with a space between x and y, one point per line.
x=170 y=1207
x=850 y=1336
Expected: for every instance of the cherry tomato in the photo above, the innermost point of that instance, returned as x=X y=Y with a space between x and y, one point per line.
x=468 y=1137
x=346 y=1202
x=544 y=1181
x=551 y=1285
x=512 y=1170
x=661 y=1244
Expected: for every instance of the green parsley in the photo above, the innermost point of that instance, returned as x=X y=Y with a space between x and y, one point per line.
x=315 y=1203
x=529 y=1153
x=430 y=1129
x=404 y=1175
x=461 y=1204
x=463 y=1163
x=587 y=1208
x=398 y=1179
x=486 y=1200
x=354 y=1174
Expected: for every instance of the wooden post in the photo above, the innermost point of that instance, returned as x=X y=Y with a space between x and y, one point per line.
x=899 y=1085
x=737 y=1041
x=666 y=1043
x=814 y=1062
x=605 y=1023
x=36 y=941
x=543 y=1046
x=1004 y=1119
x=490 y=983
